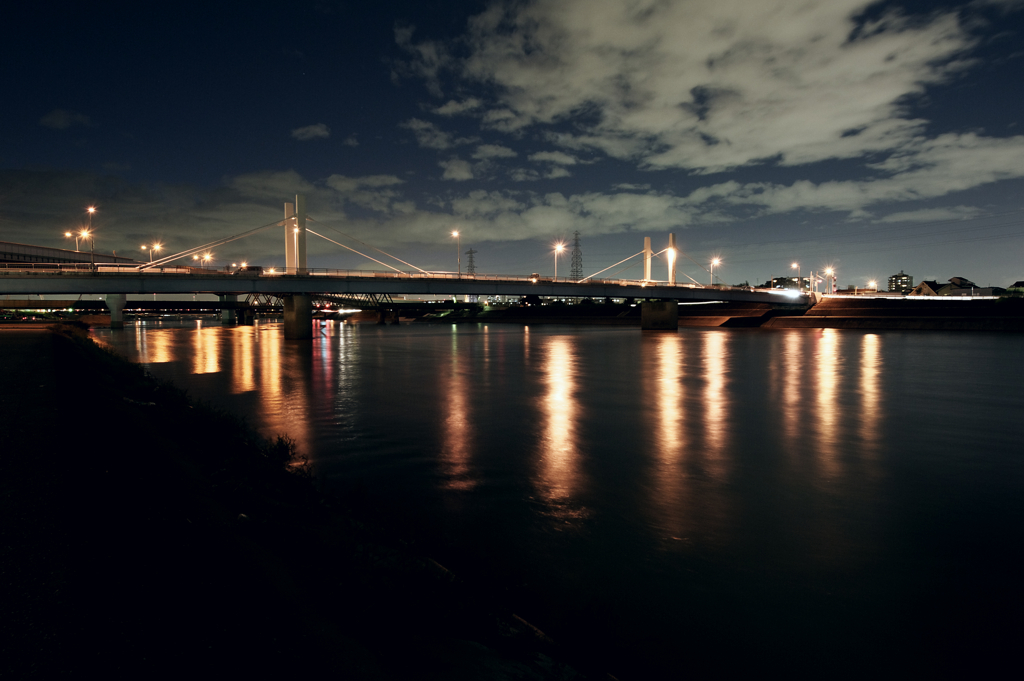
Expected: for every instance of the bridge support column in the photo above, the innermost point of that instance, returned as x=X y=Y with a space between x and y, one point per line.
x=298 y=317
x=382 y=317
x=671 y=259
x=115 y=303
x=228 y=314
x=648 y=257
x=662 y=316
x=290 y=238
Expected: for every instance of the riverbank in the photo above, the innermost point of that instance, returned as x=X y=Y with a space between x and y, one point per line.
x=144 y=534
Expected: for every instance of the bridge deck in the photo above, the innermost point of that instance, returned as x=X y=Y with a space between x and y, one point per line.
x=22 y=282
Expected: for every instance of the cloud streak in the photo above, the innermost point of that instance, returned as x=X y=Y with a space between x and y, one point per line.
x=311 y=132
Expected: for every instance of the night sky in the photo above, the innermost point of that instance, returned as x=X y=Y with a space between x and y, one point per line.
x=871 y=137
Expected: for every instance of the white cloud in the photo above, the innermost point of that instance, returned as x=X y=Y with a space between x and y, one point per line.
x=62 y=119
x=707 y=85
x=428 y=58
x=311 y=132
x=934 y=214
x=351 y=141
x=456 y=169
x=931 y=169
x=524 y=175
x=559 y=157
x=428 y=135
x=557 y=172
x=485 y=151
x=371 y=191
x=453 y=108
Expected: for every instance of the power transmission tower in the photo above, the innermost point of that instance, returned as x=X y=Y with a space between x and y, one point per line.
x=470 y=263
x=576 y=271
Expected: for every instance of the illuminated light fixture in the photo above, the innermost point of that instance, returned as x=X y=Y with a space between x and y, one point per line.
x=458 y=250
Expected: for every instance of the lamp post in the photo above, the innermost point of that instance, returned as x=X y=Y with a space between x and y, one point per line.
x=796 y=266
x=86 y=234
x=874 y=285
x=458 y=250
x=830 y=275
x=154 y=247
x=714 y=261
x=558 y=249
x=69 y=235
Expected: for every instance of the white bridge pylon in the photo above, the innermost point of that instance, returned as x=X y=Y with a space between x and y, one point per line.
x=295 y=235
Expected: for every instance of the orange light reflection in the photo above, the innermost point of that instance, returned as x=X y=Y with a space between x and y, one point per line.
x=823 y=396
x=559 y=411
x=716 y=432
x=458 y=425
x=870 y=393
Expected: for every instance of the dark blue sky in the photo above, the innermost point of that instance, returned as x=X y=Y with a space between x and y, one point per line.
x=872 y=137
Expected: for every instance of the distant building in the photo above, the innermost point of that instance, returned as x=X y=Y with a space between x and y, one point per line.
x=926 y=288
x=1016 y=288
x=788 y=282
x=901 y=283
x=957 y=286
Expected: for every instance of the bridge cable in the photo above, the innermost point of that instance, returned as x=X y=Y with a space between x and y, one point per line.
x=349 y=236
x=212 y=244
x=357 y=252
x=611 y=266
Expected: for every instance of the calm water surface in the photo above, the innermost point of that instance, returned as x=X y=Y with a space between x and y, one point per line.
x=682 y=501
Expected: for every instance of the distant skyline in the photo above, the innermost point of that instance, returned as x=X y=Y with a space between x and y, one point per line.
x=873 y=137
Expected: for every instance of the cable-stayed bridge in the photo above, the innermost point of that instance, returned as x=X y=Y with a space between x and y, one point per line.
x=298 y=285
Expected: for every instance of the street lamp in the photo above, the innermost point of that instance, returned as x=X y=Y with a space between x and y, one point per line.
x=558 y=249
x=796 y=266
x=458 y=250
x=829 y=274
x=86 y=234
x=69 y=235
x=206 y=258
x=714 y=261
x=154 y=247
x=92 y=241
x=874 y=285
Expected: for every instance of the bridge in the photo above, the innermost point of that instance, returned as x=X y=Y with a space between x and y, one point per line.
x=297 y=285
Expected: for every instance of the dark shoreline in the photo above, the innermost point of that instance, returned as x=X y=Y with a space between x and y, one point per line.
x=144 y=533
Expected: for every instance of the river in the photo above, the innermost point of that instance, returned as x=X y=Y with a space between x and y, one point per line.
x=675 y=502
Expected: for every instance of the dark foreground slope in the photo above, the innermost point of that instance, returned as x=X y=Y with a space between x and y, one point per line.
x=144 y=535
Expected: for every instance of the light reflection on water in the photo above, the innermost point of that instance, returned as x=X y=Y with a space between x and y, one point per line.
x=560 y=411
x=683 y=468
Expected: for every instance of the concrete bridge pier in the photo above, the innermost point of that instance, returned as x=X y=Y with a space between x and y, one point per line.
x=228 y=315
x=660 y=316
x=115 y=303
x=298 y=317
